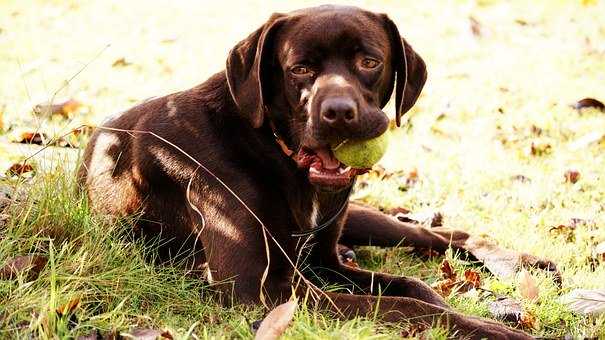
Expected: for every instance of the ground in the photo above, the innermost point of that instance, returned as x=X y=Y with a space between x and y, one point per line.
x=488 y=145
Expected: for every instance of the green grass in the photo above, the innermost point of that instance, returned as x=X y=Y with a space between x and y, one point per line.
x=488 y=99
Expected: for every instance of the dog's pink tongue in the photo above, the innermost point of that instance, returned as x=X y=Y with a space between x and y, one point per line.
x=328 y=160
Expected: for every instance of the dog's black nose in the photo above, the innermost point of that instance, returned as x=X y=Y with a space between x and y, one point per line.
x=338 y=111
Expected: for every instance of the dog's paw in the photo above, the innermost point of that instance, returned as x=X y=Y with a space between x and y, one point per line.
x=531 y=261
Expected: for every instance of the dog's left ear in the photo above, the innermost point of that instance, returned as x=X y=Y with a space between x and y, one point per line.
x=246 y=65
x=409 y=68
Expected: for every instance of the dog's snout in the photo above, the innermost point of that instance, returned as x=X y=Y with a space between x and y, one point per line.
x=338 y=111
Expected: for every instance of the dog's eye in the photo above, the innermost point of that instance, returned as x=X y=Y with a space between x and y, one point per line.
x=300 y=70
x=369 y=63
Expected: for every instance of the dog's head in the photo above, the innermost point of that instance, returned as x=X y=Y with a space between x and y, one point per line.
x=320 y=76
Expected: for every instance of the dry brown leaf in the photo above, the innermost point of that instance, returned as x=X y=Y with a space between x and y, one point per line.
x=475 y=26
x=121 y=62
x=473 y=278
x=565 y=231
x=445 y=287
x=30 y=266
x=527 y=286
x=572 y=176
x=447 y=272
x=66 y=109
x=528 y=320
x=540 y=149
x=27 y=137
x=69 y=307
x=589 y=103
x=586 y=301
x=277 y=321
x=19 y=169
x=599 y=251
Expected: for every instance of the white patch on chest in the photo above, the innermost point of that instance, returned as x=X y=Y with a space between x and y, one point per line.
x=314 y=213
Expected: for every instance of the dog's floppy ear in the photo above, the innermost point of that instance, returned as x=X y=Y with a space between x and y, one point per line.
x=245 y=68
x=410 y=70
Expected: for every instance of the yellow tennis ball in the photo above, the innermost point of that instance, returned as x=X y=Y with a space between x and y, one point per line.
x=362 y=154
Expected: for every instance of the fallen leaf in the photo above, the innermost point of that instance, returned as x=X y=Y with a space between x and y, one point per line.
x=585 y=301
x=69 y=307
x=445 y=287
x=38 y=138
x=19 y=169
x=472 y=277
x=67 y=108
x=447 y=272
x=475 y=26
x=565 y=231
x=528 y=320
x=540 y=149
x=30 y=266
x=521 y=178
x=277 y=321
x=412 y=177
x=572 y=176
x=589 y=103
x=599 y=251
x=506 y=309
x=121 y=62
x=500 y=262
x=527 y=286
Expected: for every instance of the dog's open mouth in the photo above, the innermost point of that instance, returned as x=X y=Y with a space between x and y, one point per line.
x=325 y=170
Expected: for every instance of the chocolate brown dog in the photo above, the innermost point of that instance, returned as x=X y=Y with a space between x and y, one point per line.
x=204 y=167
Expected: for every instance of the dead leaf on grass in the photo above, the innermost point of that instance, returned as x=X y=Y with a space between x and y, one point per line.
x=586 y=301
x=277 y=321
x=121 y=62
x=589 y=103
x=599 y=251
x=540 y=149
x=565 y=231
x=527 y=286
x=28 y=137
x=30 y=266
x=572 y=176
x=475 y=26
x=447 y=272
x=69 y=307
x=67 y=108
x=19 y=169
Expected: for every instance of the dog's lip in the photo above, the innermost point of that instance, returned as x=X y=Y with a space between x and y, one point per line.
x=324 y=169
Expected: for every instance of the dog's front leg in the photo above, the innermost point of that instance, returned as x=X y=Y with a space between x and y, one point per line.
x=368 y=226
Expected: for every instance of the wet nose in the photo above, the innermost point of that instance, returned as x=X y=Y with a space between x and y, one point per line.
x=338 y=112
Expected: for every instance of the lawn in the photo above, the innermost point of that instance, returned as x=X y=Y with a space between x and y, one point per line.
x=493 y=144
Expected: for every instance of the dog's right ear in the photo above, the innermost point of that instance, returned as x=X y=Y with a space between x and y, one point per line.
x=246 y=64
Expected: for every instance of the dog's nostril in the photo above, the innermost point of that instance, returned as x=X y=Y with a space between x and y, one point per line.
x=330 y=115
x=338 y=110
x=349 y=115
